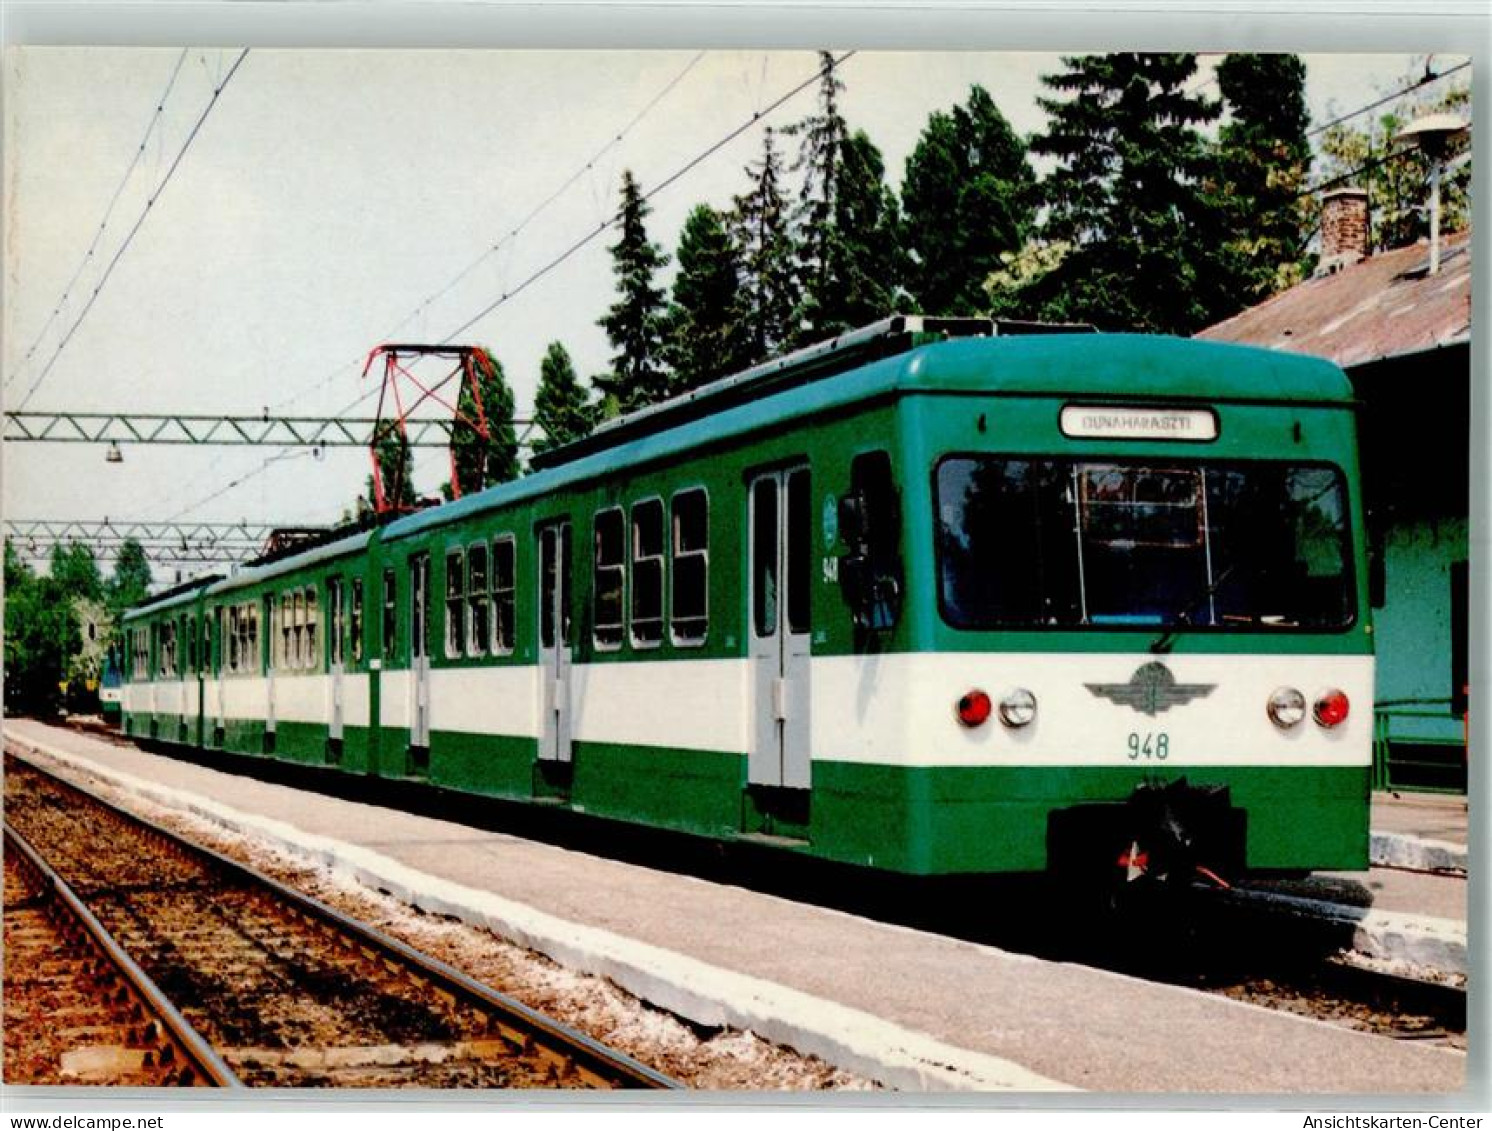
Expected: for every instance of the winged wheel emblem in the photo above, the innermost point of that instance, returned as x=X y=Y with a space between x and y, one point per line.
x=1151 y=690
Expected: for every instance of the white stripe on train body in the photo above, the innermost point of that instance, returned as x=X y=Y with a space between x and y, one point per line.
x=897 y=709
x=901 y=710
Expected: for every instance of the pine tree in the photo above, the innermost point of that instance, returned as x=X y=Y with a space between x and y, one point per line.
x=1127 y=195
x=865 y=264
x=761 y=230
x=967 y=199
x=634 y=324
x=477 y=463
x=1261 y=163
x=562 y=410
x=707 y=325
x=822 y=137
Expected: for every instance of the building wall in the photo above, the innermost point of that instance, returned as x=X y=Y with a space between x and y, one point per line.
x=1413 y=629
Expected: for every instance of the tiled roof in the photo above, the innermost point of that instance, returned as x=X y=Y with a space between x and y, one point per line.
x=1380 y=307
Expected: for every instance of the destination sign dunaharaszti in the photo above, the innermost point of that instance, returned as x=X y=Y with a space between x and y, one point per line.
x=1114 y=423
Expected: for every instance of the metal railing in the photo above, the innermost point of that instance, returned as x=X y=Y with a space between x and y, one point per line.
x=1399 y=761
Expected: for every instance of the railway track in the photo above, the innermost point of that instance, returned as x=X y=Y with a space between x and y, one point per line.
x=99 y=1017
x=287 y=991
x=1235 y=949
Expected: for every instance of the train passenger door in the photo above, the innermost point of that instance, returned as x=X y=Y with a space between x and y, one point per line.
x=336 y=645
x=780 y=572
x=220 y=664
x=263 y=656
x=419 y=650
x=554 y=642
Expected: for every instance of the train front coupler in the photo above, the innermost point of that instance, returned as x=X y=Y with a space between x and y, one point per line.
x=1177 y=833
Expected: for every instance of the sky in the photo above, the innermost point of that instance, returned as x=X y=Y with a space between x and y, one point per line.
x=332 y=200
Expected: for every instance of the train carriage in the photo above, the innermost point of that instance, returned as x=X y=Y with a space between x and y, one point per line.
x=929 y=598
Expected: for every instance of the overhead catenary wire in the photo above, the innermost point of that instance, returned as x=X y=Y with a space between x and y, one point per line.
x=139 y=223
x=756 y=118
x=654 y=191
x=1426 y=81
x=98 y=235
x=508 y=237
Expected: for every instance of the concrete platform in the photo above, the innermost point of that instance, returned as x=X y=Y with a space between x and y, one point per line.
x=1419 y=831
x=911 y=1009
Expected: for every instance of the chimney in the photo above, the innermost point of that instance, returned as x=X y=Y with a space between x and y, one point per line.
x=1344 y=229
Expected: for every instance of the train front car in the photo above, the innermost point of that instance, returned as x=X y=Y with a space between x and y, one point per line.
x=1136 y=586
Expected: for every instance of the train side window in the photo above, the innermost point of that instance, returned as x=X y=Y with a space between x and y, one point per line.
x=390 y=633
x=504 y=595
x=478 y=601
x=647 y=573
x=250 y=655
x=870 y=572
x=419 y=606
x=312 y=658
x=689 y=608
x=799 y=551
x=191 y=637
x=297 y=629
x=764 y=557
x=455 y=602
x=233 y=639
x=355 y=619
x=610 y=580
x=335 y=621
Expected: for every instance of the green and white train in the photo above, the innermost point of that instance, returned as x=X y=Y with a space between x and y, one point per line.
x=931 y=598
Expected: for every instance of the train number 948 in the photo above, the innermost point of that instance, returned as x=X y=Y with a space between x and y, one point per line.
x=1152 y=745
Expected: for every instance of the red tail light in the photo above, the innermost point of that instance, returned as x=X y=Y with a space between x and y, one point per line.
x=973 y=708
x=1331 y=709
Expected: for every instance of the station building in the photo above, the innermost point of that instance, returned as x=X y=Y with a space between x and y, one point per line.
x=1401 y=329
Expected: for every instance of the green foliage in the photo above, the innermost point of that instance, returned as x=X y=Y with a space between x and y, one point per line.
x=707 y=325
x=762 y=231
x=1259 y=190
x=130 y=582
x=75 y=570
x=822 y=136
x=1127 y=195
x=562 y=410
x=477 y=462
x=395 y=463
x=45 y=617
x=968 y=200
x=864 y=265
x=634 y=324
x=1397 y=179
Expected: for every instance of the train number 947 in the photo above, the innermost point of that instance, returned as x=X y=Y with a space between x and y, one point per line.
x=1152 y=745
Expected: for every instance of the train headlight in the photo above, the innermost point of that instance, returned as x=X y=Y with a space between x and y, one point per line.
x=1018 y=708
x=1286 y=707
x=1331 y=709
x=973 y=708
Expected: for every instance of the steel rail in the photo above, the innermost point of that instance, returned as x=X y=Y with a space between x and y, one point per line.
x=592 y=1061
x=185 y=1041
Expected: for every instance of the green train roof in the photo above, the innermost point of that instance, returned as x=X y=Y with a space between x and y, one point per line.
x=1108 y=367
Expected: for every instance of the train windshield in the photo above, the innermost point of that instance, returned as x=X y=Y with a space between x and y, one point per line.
x=1050 y=542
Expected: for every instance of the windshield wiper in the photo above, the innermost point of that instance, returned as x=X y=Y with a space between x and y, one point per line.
x=1163 y=643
